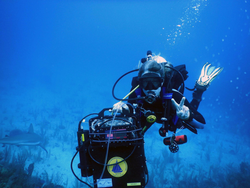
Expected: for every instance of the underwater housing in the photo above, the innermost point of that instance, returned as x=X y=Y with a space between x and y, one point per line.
x=112 y=151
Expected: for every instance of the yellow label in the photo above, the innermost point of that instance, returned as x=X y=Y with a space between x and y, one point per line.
x=83 y=139
x=117 y=168
x=151 y=119
x=134 y=184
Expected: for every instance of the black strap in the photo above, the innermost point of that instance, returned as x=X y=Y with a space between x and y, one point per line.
x=167 y=96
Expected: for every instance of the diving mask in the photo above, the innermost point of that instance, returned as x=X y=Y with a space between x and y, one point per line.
x=151 y=83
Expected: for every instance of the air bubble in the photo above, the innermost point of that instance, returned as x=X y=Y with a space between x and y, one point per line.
x=190 y=18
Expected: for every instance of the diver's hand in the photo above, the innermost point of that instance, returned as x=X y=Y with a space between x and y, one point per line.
x=182 y=111
x=120 y=107
x=208 y=74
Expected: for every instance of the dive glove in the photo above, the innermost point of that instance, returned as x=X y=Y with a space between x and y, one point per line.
x=182 y=111
x=208 y=74
x=120 y=107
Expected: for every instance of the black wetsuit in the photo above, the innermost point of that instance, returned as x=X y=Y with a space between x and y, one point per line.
x=158 y=107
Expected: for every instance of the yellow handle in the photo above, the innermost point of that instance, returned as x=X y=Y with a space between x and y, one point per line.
x=130 y=93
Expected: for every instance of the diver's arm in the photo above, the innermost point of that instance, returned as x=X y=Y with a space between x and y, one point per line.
x=208 y=74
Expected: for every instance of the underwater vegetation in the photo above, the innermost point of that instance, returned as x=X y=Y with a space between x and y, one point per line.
x=181 y=175
x=13 y=173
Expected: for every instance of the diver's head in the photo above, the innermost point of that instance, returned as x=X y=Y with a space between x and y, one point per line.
x=159 y=59
x=151 y=78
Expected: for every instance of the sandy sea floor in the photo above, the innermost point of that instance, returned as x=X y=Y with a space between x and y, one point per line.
x=56 y=118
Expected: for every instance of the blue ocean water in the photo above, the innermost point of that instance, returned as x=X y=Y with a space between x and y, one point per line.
x=60 y=59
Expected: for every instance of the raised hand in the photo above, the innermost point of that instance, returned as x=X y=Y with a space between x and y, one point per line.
x=182 y=111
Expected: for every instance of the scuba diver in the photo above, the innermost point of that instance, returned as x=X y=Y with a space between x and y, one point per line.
x=111 y=149
x=161 y=86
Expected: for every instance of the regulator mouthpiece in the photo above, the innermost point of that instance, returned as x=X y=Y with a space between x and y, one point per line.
x=151 y=97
